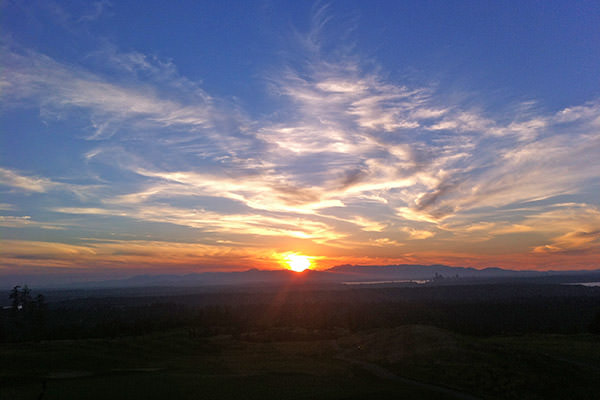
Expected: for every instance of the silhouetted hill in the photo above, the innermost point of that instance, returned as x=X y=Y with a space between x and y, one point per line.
x=441 y=274
x=429 y=271
x=349 y=274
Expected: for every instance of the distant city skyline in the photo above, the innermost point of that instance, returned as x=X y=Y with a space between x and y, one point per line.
x=141 y=137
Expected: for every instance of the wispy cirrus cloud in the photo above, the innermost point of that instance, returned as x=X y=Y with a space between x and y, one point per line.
x=98 y=8
x=20 y=182
x=10 y=221
x=26 y=183
x=434 y=159
x=241 y=224
x=59 y=88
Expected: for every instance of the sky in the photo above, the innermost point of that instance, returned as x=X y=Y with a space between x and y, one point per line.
x=191 y=136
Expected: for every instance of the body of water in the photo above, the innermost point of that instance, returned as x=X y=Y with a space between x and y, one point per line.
x=590 y=284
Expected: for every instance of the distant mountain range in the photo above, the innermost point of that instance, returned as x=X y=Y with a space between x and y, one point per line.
x=348 y=274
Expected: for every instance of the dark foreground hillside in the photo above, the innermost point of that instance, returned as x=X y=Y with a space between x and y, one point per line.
x=305 y=342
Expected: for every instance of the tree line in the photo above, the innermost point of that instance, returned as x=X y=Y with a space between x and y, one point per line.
x=26 y=317
x=31 y=318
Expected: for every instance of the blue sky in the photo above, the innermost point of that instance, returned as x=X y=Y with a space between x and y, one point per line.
x=141 y=136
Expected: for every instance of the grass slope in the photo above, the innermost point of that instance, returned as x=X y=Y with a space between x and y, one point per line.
x=404 y=362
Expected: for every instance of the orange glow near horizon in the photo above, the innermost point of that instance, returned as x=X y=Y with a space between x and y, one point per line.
x=297 y=262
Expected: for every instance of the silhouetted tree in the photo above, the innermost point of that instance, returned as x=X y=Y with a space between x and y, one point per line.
x=15 y=296
x=28 y=316
x=26 y=300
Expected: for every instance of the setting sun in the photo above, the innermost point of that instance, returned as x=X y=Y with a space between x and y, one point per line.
x=297 y=263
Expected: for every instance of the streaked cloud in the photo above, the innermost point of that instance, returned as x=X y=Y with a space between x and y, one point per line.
x=134 y=254
x=26 y=183
x=18 y=181
x=111 y=107
x=26 y=221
